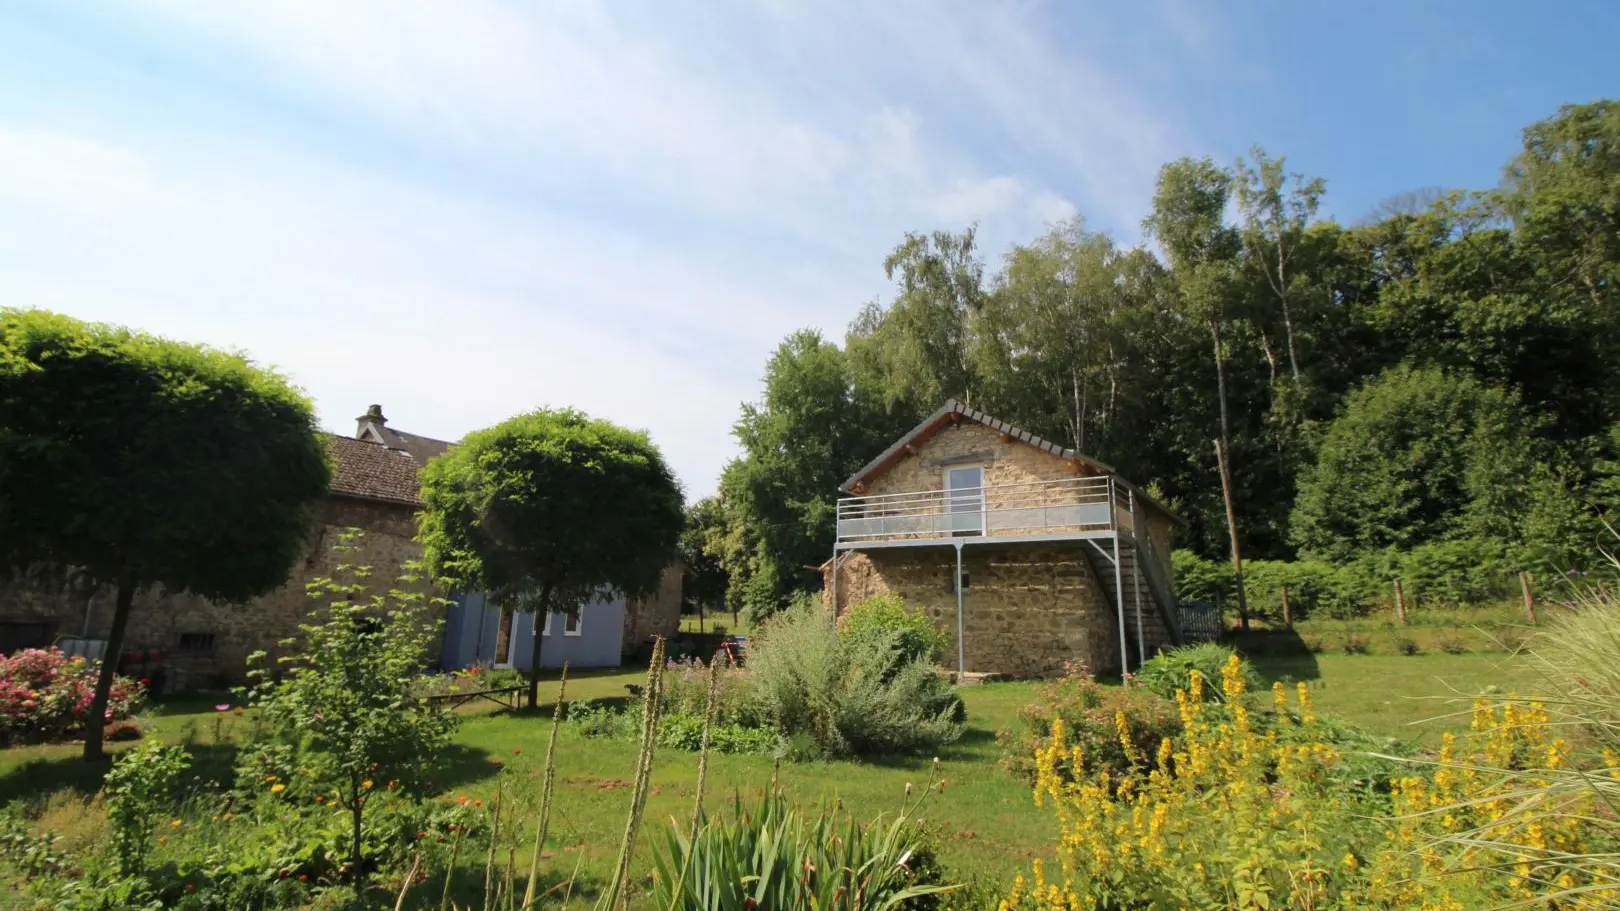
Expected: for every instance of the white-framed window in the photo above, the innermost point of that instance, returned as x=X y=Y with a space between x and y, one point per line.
x=964 y=499
x=545 y=630
x=573 y=622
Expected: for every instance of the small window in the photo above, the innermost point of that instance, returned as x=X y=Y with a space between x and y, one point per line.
x=571 y=622
x=967 y=582
x=545 y=629
x=16 y=635
x=197 y=643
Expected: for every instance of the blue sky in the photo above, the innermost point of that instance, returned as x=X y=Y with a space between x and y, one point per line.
x=466 y=210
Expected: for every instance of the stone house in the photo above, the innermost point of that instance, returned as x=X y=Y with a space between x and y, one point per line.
x=1029 y=555
x=184 y=641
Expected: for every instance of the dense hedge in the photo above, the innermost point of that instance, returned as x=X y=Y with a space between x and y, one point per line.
x=1439 y=574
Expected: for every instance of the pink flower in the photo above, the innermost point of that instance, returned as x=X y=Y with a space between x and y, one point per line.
x=223 y=707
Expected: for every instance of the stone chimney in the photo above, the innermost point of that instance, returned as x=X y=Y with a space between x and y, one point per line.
x=373 y=418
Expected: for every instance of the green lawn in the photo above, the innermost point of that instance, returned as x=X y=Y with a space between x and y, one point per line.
x=1412 y=698
x=985 y=821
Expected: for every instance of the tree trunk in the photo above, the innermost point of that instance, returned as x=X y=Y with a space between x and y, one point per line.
x=1231 y=530
x=95 y=725
x=1220 y=378
x=1288 y=317
x=357 y=845
x=534 y=637
x=1288 y=330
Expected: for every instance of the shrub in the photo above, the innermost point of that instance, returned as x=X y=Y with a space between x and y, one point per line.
x=1090 y=717
x=773 y=855
x=1407 y=646
x=1198 y=579
x=1418 y=454
x=1309 y=584
x=1510 y=639
x=1452 y=573
x=888 y=617
x=45 y=695
x=686 y=692
x=345 y=718
x=1167 y=671
x=685 y=732
x=1354 y=644
x=140 y=790
x=857 y=695
x=1451 y=644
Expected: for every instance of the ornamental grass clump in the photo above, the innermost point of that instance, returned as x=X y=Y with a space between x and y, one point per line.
x=849 y=695
x=771 y=854
x=1166 y=672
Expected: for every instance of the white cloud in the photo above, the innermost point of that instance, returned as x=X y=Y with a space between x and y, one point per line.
x=462 y=211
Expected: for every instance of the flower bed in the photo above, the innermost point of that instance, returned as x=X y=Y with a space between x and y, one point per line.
x=45 y=695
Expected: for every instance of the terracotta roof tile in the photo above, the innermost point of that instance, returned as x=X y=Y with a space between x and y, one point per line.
x=374 y=472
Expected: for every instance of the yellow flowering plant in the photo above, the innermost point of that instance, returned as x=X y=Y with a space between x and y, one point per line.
x=1087 y=716
x=1240 y=811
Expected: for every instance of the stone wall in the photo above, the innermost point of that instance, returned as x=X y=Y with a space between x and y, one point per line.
x=656 y=615
x=1017 y=478
x=1027 y=609
x=191 y=642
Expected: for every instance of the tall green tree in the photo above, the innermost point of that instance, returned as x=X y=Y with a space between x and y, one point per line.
x=917 y=352
x=1563 y=194
x=811 y=430
x=1277 y=208
x=701 y=547
x=1419 y=455
x=132 y=461
x=1189 y=222
x=1050 y=339
x=548 y=509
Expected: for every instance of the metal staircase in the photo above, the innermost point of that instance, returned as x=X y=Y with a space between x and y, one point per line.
x=1142 y=597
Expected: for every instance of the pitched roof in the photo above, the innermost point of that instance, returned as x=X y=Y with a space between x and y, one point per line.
x=421 y=448
x=374 y=472
x=954 y=410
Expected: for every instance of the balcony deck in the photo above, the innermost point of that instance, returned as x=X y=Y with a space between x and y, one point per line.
x=1065 y=509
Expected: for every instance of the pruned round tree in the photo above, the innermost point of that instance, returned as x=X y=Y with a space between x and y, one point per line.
x=132 y=461
x=548 y=509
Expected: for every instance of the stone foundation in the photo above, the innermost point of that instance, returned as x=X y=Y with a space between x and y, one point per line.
x=1028 y=611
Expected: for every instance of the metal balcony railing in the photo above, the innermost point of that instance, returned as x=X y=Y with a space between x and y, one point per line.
x=1076 y=506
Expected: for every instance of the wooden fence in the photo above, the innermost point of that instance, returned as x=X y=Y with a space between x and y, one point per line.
x=1201 y=621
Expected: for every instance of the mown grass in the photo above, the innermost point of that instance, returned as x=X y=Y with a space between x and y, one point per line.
x=985 y=823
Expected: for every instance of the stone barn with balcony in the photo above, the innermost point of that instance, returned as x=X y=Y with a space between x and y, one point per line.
x=1029 y=555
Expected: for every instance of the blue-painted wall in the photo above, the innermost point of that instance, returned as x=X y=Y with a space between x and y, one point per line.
x=473 y=625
